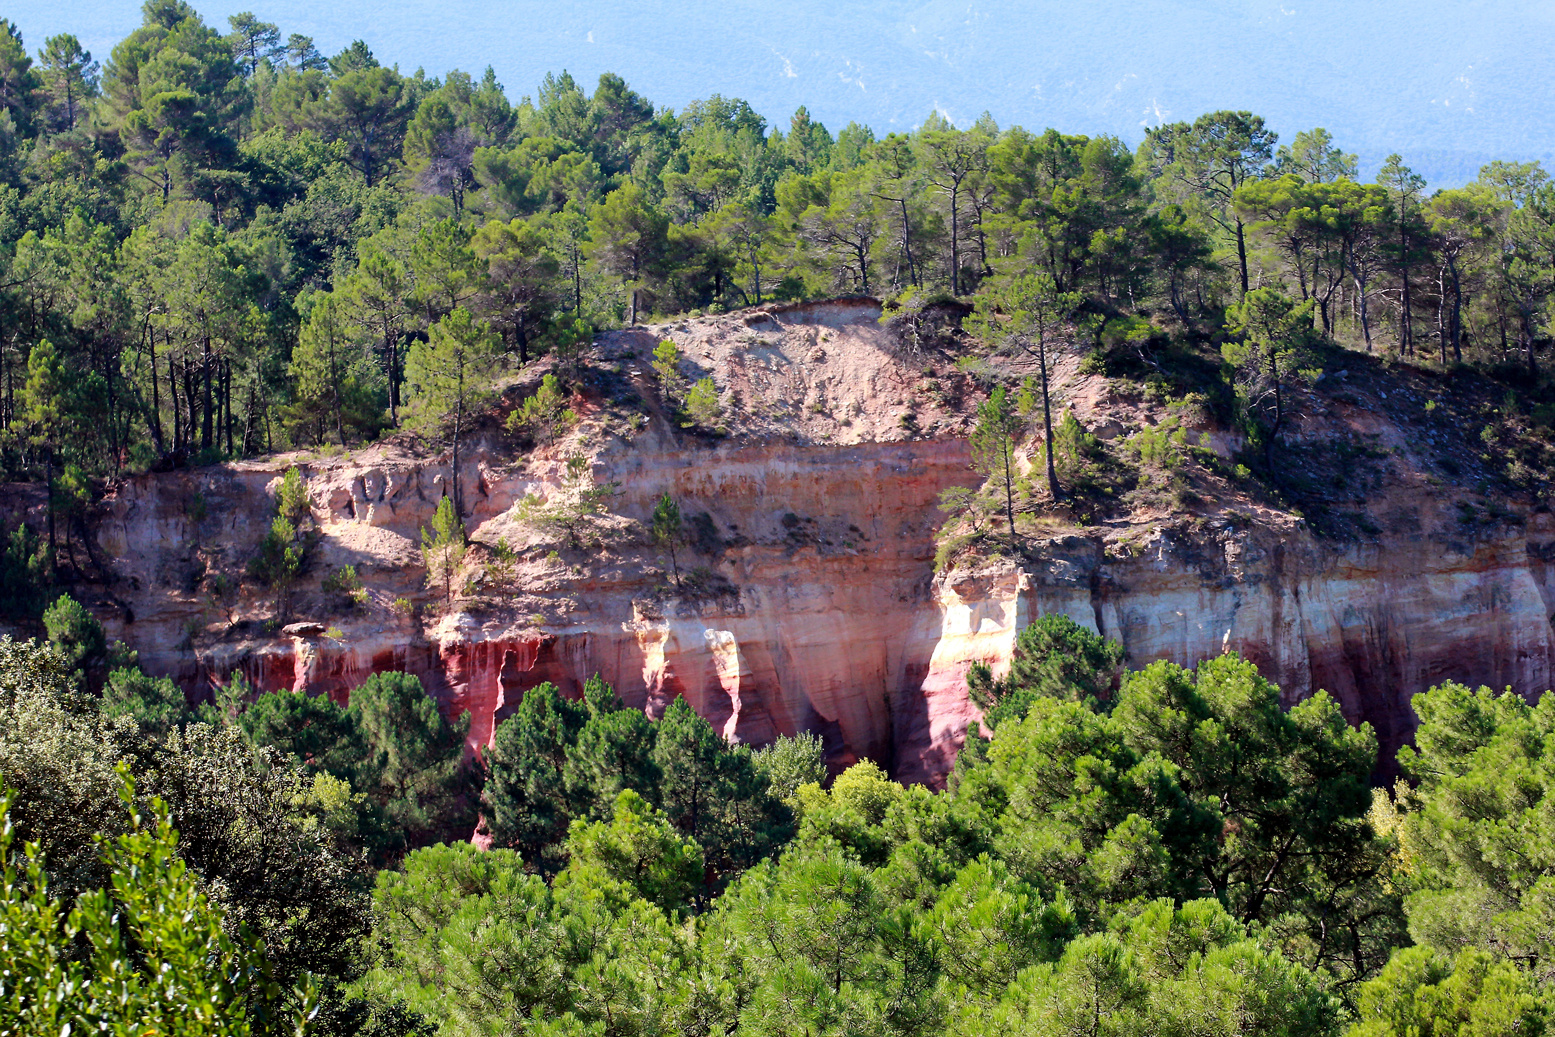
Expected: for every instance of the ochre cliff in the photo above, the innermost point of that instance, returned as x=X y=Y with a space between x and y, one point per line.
x=806 y=596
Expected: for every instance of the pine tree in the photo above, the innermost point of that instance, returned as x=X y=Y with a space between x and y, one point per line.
x=414 y=768
x=666 y=529
x=1024 y=312
x=993 y=448
x=452 y=371
x=442 y=548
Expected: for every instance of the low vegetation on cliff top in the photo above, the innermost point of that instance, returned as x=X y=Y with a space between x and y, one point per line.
x=1165 y=851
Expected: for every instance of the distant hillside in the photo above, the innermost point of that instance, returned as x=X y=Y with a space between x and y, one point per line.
x=1449 y=85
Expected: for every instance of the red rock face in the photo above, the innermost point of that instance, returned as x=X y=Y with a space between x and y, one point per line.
x=831 y=619
x=808 y=598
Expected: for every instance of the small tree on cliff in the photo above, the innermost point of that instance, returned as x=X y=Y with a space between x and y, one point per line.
x=281 y=553
x=666 y=529
x=702 y=406
x=1023 y=313
x=442 y=548
x=666 y=364
x=993 y=448
x=545 y=415
x=1273 y=351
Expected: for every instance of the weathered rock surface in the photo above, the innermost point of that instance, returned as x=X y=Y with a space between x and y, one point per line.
x=807 y=598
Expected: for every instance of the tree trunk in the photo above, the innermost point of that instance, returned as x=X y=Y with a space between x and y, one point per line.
x=248 y=422
x=393 y=350
x=1279 y=421
x=458 y=427
x=172 y=392
x=206 y=415
x=577 y=283
x=955 y=242
x=155 y=421
x=1241 y=253
x=1009 y=486
x=192 y=401
x=1457 y=312
x=1406 y=338
x=1361 y=300
x=334 y=388
x=226 y=392
x=1047 y=417
x=48 y=488
x=1441 y=313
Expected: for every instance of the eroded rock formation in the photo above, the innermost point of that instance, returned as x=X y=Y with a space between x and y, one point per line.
x=807 y=596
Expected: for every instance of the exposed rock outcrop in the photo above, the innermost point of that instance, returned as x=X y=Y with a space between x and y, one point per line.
x=807 y=597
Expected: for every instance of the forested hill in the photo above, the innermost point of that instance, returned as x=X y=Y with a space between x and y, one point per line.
x=1445 y=84
x=219 y=242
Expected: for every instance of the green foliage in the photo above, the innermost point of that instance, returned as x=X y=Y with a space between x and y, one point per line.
x=58 y=759
x=1273 y=350
x=1054 y=657
x=666 y=364
x=636 y=849
x=414 y=771
x=77 y=634
x=157 y=957
x=569 y=510
x=790 y=763
x=545 y=415
x=555 y=761
x=336 y=386
x=282 y=553
x=714 y=794
x=702 y=406
x=526 y=806
x=1169 y=970
x=1159 y=446
x=312 y=730
x=333 y=238
x=270 y=866
x=993 y=451
x=343 y=580
x=1073 y=448
x=443 y=547
x=666 y=529
x=1422 y=991
x=24 y=574
x=452 y=374
x=1471 y=836
x=156 y=704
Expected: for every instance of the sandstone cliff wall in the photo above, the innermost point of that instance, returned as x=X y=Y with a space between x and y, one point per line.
x=807 y=596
